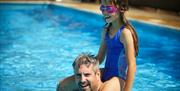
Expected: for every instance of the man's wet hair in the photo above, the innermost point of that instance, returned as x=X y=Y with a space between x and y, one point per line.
x=86 y=59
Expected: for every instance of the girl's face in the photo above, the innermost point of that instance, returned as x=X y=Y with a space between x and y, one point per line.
x=109 y=11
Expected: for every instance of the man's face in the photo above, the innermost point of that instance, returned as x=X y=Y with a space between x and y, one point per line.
x=86 y=78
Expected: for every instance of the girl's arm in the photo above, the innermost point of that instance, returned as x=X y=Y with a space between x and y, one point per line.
x=102 y=49
x=127 y=40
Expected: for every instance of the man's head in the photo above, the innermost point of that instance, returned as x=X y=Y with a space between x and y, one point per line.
x=87 y=74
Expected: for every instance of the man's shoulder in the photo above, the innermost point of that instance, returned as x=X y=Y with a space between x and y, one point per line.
x=112 y=81
x=112 y=84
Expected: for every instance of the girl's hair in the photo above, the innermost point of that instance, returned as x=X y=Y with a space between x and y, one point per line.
x=122 y=6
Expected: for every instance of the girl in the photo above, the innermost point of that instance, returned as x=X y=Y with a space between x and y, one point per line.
x=119 y=44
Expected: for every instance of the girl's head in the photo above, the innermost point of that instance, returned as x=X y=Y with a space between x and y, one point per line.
x=122 y=5
x=113 y=9
x=109 y=11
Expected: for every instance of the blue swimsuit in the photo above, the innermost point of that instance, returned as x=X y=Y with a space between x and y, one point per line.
x=116 y=65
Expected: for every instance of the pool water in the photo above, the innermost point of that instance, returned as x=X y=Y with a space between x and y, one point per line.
x=39 y=42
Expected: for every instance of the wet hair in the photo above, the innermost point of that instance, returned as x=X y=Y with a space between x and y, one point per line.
x=123 y=6
x=86 y=59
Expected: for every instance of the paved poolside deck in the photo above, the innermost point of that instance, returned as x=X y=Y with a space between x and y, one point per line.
x=162 y=18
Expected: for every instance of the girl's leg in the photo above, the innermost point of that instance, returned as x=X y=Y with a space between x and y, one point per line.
x=122 y=83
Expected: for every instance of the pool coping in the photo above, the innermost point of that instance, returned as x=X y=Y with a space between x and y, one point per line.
x=94 y=9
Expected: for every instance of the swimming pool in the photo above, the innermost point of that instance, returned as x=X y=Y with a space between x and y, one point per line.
x=39 y=42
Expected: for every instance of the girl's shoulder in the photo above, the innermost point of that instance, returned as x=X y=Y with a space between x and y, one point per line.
x=126 y=34
x=126 y=31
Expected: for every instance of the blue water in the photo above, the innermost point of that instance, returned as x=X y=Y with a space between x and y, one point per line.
x=39 y=42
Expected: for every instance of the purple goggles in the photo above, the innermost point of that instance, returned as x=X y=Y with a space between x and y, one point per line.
x=109 y=9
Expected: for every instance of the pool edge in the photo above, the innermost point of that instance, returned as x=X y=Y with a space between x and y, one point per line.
x=90 y=11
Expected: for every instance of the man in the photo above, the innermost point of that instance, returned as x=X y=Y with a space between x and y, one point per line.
x=87 y=77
